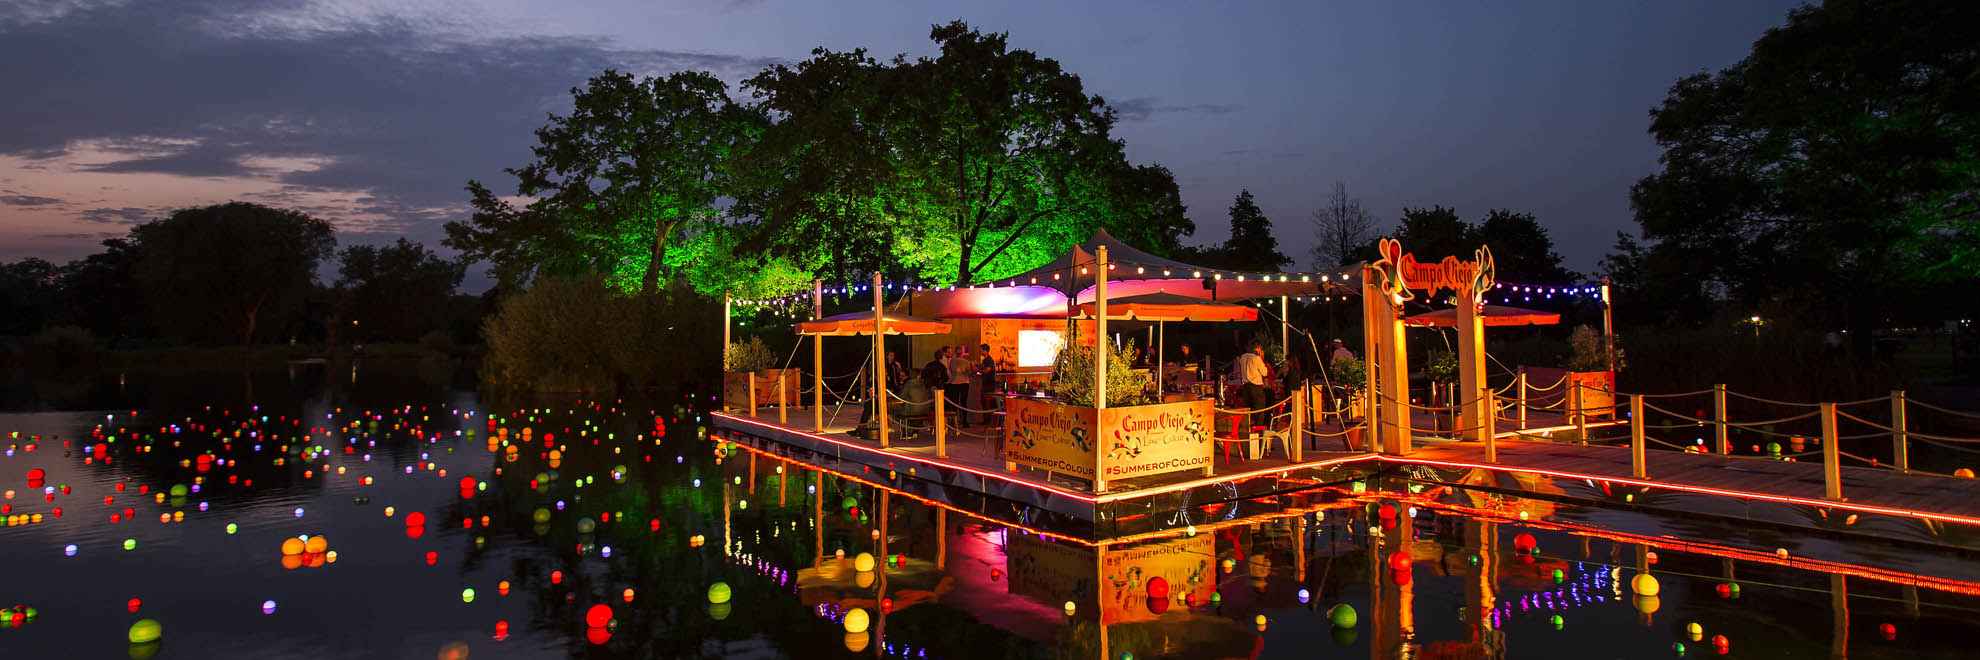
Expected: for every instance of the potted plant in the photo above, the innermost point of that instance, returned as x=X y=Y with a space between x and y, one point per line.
x=1588 y=371
x=1072 y=377
x=1351 y=375
x=749 y=363
x=1443 y=371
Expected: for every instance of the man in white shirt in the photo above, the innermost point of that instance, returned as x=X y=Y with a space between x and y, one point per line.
x=1341 y=353
x=1251 y=367
x=961 y=371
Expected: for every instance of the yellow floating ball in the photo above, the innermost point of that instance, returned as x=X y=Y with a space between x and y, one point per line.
x=1645 y=584
x=856 y=621
x=863 y=563
x=146 y=631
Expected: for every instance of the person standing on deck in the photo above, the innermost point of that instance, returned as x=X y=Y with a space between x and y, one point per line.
x=986 y=379
x=1251 y=367
x=896 y=374
x=1341 y=353
x=961 y=372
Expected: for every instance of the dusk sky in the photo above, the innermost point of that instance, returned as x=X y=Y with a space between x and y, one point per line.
x=373 y=115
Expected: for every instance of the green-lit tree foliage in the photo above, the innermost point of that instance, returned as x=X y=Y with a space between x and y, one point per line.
x=230 y=272
x=1827 y=173
x=636 y=163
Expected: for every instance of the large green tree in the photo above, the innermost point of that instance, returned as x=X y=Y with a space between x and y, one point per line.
x=1004 y=151
x=1434 y=233
x=230 y=272
x=395 y=292
x=637 y=164
x=1251 y=245
x=29 y=293
x=101 y=294
x=1835 y=166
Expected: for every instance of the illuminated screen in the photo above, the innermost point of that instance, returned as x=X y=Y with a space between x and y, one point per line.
x=1037 y=348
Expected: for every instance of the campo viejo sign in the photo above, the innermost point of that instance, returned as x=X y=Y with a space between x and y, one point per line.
x=1116 y=443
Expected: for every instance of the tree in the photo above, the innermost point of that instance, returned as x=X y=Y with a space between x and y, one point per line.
x=1521 y=249
x=230 y=271
x=1342 y=227
x=28 y=296
x=1831 y=168
x=635 y=163
x=396 y=292
x=1434 y=233
x=101 y=294
x=1251 y=245
x=1004 y=149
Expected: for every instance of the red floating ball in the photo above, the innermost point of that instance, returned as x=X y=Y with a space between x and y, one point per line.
x=598 y=615
x=134 y=604
x=432 y=558
x=1399 y=562
x=1158 y=588
x=1525 y=542
x=415 y=519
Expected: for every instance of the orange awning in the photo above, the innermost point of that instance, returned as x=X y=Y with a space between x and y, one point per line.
x=1495 y=315
x=1170 y=307
x=861 y=323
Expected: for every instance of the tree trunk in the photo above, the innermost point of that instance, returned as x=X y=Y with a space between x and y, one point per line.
x=651 y=277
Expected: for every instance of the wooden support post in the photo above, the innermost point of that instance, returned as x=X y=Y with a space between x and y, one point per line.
x=817 y=359
x=1831 y=456
x=941 y=427
x=783 y=414
x=1295 y=435
x=752 y=393
x=1900 y=444
x=1521 y=386
x=1491 y=433
x=1580 y=418
x=878 y=377
x=1724 y=445
x=1636 y=450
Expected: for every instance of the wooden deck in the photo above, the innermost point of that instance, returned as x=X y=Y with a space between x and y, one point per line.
x=1892 y=505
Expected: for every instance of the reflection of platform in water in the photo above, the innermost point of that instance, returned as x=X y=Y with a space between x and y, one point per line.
x=974 y=478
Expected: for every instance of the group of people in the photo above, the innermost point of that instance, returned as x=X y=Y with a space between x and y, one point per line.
x=963 y=381
x=1255 y=376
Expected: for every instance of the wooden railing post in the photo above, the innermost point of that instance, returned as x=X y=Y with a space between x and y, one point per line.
x=1580 y=416
x=941 y=427
x=782 y=413
x=1636 y=441
x=752 y=394
x=1724 y=445
x=1900 y=444
x=1489 y=433
x=1831 y=455
x=1520 y=384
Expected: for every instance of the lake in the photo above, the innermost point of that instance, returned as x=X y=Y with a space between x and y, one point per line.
x=426 y=519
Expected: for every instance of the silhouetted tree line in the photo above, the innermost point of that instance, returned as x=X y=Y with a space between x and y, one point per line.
x=237 y=274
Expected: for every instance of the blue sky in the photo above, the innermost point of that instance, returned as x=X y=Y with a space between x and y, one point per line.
x=373 y=115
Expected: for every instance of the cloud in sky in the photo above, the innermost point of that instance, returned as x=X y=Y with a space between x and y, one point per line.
x=1141 y=108
x=374 y=121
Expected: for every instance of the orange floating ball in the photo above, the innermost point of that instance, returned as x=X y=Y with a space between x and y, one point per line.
x=292 y=546
x=316 y=545
x=1399 y=562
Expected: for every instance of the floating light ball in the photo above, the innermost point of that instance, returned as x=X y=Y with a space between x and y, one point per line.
x=1305 y=595
x=292 y=546
x=1158 y=588
x=146 y=631
x=1963 y=473
x=133 y=604
x=1889 y=631
x=857 y=621
x=467 y=595
x=454 y=651
x=1694 y=629
x=316 y=545
x=267 y=607
x=130 y=544
x=1343 y=616
x=863 y=562
x=415 y=519
x=1645 y=584
x=1399 y=562
x=69 y=550
x=627 y=595
x=1557 y=621
x=598 y=615
x=719 y=592
x=1525 y=542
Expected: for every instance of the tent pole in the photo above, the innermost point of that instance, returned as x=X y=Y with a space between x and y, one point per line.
x=1100 y=350
x=879 y=346
x=1161 y=356
x=818 y=359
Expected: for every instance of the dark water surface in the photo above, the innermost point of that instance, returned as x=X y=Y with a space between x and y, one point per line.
x=638 y=512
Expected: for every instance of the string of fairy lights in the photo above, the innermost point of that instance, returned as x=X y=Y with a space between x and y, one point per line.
x=796 y=304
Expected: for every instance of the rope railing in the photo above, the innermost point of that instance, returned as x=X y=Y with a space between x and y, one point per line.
x=1676 y=394
x=1928 y=406
x=1776 y=402
x=1750 y=426
x=1695 y=420
x=1254 y=411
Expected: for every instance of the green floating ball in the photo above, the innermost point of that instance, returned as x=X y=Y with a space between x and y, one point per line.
x=178 y=490
x=1343 y=616
x=146 y=631
x=718 y=592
